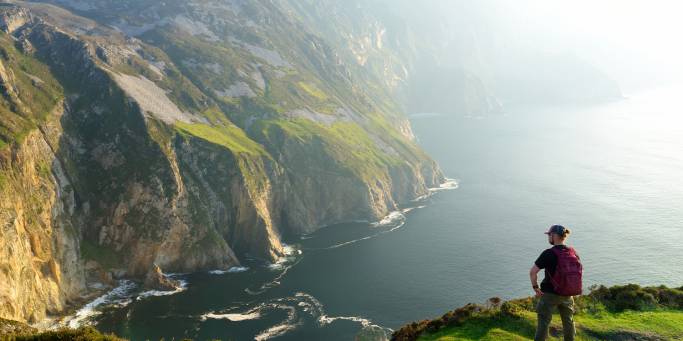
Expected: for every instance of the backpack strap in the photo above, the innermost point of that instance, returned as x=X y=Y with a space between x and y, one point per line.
x=557 y=251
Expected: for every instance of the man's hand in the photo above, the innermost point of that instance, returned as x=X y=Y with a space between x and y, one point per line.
x=533 y=275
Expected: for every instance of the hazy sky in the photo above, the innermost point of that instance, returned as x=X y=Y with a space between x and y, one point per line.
x=635 y=42
x=621 y=36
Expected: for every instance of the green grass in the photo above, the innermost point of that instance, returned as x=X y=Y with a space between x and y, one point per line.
x=229 y=136
x=80 y=334
x=667 y=324
x=347 y=144
x=600 y=316
x=248 y=154
x=313 y=90
x=44 y=169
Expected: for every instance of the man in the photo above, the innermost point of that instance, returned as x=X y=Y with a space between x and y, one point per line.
x=563 y=272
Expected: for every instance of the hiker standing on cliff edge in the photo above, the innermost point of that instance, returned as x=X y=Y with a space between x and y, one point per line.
x=562 y=281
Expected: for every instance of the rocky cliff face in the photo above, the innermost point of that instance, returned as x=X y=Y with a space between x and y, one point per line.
x=40 y=253
x=138 y=136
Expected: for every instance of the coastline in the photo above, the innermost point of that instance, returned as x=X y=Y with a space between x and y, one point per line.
x=128 y=290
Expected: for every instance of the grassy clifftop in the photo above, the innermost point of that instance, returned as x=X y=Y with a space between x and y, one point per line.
x=17 y=331
x=627 y=312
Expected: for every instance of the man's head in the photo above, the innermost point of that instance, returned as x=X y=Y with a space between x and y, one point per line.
x=557 y=234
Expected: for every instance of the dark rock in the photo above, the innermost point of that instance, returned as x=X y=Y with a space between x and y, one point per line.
x=156 y=279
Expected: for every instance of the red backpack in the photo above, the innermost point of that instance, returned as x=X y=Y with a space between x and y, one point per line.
x=568 y=273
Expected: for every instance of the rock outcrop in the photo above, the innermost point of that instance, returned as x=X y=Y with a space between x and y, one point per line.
x=12 y=18
x=156 y=279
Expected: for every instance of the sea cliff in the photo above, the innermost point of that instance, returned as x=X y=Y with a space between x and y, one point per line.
x=179 y=145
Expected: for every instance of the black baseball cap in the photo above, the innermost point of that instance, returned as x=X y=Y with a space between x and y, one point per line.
x=556 y=229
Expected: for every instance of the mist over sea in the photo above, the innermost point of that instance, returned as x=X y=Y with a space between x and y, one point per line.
x=611 y=172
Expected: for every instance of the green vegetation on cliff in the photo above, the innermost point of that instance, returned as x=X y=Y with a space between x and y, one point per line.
x=627 y=312
x=28 y=92
x=346 y=143
x=17 y=331
x=228 y=136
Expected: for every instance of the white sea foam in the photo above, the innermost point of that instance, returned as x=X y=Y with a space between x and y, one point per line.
x=289 y=250
x=233 y=269
x=315 y=308
x=366 y=324
x=395 y=217
x=290 y=323
x=422 y=197
x=446 y=185
x=300 y=309
x=235 y=317
x=408 y=209
x=324 y=320
x=280 y=263
x=350 y=242
x=392 y=222
x=292 y=258
x=274 y=331
x=182 y=286
x=290 y=254
x=118 y=296
x=253 y=292
x=274 y=282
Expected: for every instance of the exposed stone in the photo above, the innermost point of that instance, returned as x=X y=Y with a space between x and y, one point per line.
x=33 y=232
x=151 y=98
x=157 y=280
x=13 y=17
x=239 y=89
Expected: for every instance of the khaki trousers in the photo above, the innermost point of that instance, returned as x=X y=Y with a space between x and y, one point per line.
x=544 y=309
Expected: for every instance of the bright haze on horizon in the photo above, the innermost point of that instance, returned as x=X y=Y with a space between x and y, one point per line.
x=636 y=43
